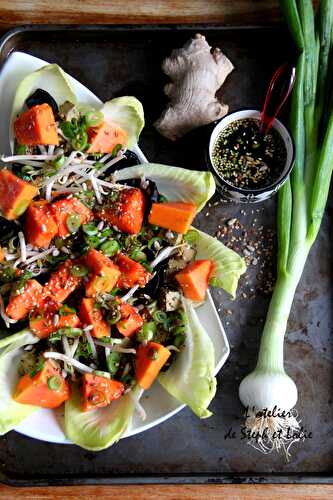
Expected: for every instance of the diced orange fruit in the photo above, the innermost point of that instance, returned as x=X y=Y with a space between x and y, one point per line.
x=99 y=391
x=127 y=211
x=194 y=279
x=176 y=216
x=47 y=388
x=149 y=360
x=65 y=208
x=36 y=126
x=40 y=225
x=104 y=138
x=130 y=321
x=132 y=273
x=90 y=315
x=105 y=273
x=42 y=322
x=24 y=301
x=15 y=194
x=62 y=282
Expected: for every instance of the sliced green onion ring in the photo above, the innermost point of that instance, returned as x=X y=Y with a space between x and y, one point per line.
x=147 y=332
x=113 y=361
x=54 y=383
x=73 y=223
x=160 y=316
x=138 y=255
x=94 y=118
x=79 y=270
x=90 y=229
x=152 y=241
x=110 y=247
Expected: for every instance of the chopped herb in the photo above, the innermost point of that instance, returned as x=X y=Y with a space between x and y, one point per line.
x=38 y=367
x=65 y=310
x=70 y=332
x=22 y=149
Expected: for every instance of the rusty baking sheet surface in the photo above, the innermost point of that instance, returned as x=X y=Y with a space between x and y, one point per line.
x=114 y=61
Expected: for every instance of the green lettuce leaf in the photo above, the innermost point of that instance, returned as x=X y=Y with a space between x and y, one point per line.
x=11 y=412
x=50 y=78
x=176 y=184
x=190 y=379
x=126 y=111
x=229 y=266
x=98 y=429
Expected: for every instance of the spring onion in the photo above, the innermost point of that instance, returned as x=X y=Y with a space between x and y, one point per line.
x=138 y=255
x=152 y=241
x=113 y=316
x=113 y=361
x=58 y=162
x=147 y=332
x=110 y=248
x=94 y=118
x=160 y=316
x=73 y=223
x=79 y=270
x=301 y=206
x=54 y=383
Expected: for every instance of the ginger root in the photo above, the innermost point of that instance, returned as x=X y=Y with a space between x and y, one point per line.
x=196 y=74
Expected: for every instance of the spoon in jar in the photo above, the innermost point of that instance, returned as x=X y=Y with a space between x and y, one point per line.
x=278 y=92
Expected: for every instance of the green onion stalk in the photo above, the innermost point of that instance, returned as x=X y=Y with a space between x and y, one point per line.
x=268 y=393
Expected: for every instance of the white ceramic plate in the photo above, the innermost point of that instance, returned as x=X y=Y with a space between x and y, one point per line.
x=158 y=404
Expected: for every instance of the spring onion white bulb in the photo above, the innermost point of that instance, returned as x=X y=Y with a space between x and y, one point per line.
x=301 y=205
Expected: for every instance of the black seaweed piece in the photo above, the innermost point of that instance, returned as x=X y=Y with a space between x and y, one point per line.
x=154 y=285
x=130 y=160
x=8 y=229
x=40 y=96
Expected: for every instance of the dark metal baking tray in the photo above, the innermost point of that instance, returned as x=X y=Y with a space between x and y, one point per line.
x=118 y=60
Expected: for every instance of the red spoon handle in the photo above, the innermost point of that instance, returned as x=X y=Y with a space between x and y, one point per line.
x=278 y=92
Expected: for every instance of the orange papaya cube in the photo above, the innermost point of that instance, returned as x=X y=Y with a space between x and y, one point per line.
x=176 y=216
x=100 y=284
x=24 y=300
x=36 y=126
x=132 y=273
x=104 y=138
x=62 y=282
x=150 y=358
x=15 y=195
x=47 y=388
x=105 y=273
x=99 y=263
x=127 y=211
x=194 y=279
x=65 y=210
x=40 y=225
x=130 y=321
x=99 y=391
x=2 y=254
x=90 y=315
x=50 y=316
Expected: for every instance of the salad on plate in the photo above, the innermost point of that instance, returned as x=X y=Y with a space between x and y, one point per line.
x=101 y=270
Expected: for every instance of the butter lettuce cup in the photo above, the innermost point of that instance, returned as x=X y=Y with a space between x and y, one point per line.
x=249 y=166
